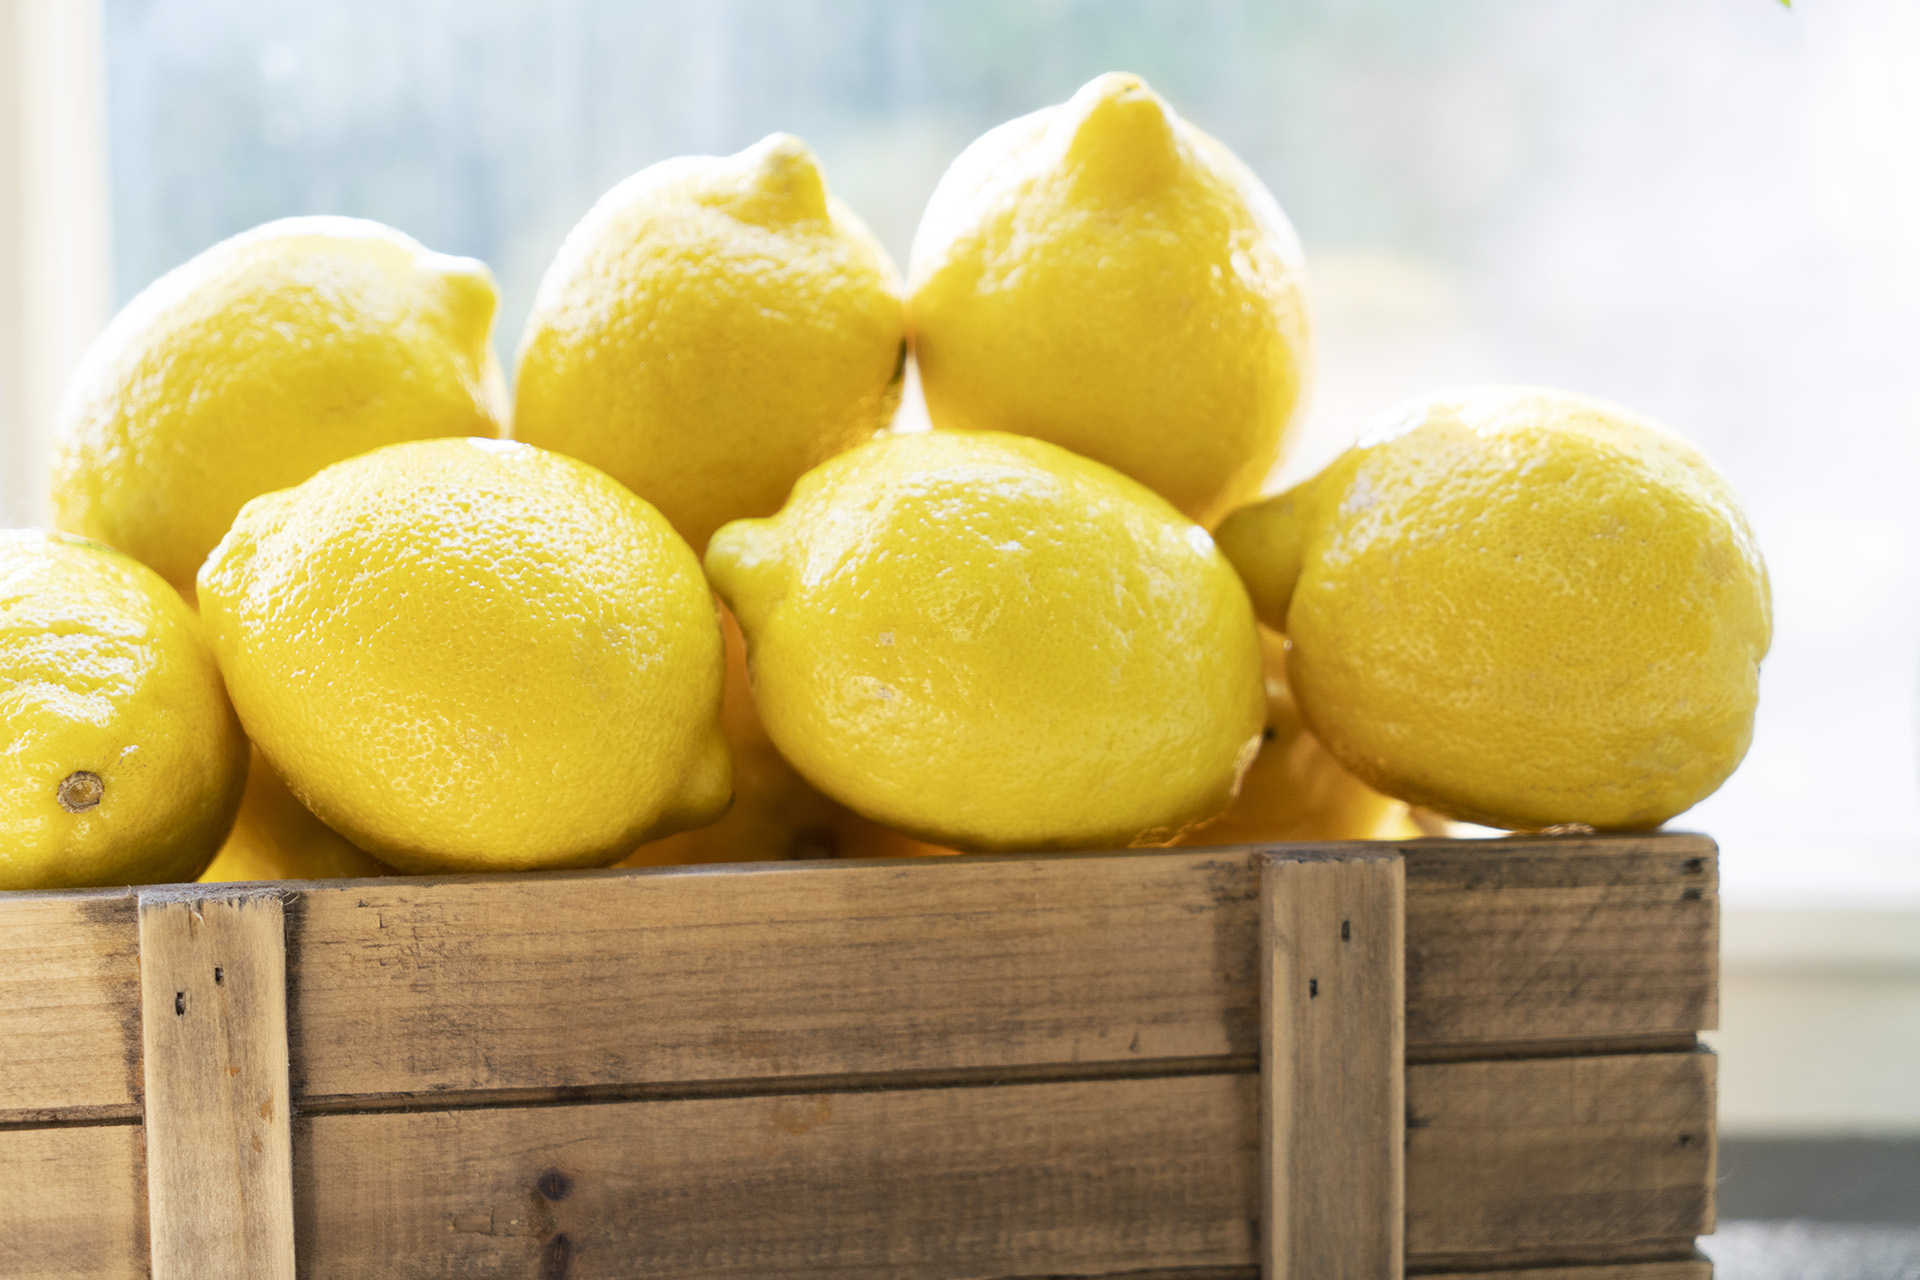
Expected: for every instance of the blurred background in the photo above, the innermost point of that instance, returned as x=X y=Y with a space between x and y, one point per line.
x=1707 y=210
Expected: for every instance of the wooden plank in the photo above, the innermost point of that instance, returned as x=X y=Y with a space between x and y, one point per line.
x=1559 y=1153
x=69 y=1005
x=939 y=1184
x=769 y=971
x=72 y=1206
x=219 y=1155
x=1333 y=1066
x=1561 y=938
x=1695 y=1268
x=1080 y=1178
x=601 y=979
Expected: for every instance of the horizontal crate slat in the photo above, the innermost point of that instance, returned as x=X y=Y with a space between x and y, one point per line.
x=1538 y=940
x=73 y=1203
x=1512 y=941
x=1557 y=1153
x=1092 y=1176
x=69 y=1003
x=1696 y=1268
x=797 y=970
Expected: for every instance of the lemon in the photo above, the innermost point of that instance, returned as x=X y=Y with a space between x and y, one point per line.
x=1295 y=789
x=774 y=813
x=1518 y=607
x=274 y=837
x=123 y=761
x=986 y=642
x=714 y=327
x=264 y=359
x=472 y=655
x=1103 y=275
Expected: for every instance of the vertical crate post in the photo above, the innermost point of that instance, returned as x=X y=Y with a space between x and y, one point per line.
x=213 y=1015
x=1333 y=1065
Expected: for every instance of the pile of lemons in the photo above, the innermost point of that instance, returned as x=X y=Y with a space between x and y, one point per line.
x=329 y=600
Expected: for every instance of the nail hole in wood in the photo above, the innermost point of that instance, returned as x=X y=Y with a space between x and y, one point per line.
x=556 y=1258
x=179 y=1003
x=1313 y=987
x=1686 y=1139
x=554 y=1185
x=1694 y=866
x=1691 y=895
x=219 y=975
x=1346 y=931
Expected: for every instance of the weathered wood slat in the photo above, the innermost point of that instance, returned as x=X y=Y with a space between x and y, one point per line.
x=219 y=1162
x=796 y=969
x=1679 y=1269
x=72 y=1204
x=1561 y=939
x=69 y=1004
x=1559 y=1152
x=1332 y=1066
x=939 y=1184
x=1582 y=939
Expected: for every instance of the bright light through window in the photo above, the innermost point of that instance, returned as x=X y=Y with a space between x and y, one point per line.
x=1709 y=212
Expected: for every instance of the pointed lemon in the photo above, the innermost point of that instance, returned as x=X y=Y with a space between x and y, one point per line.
x=123 y=762
x=249 y=368
x=1518 y=607
x=986 y=642
x=713 y=327
x=470 y=655
x=1103 y=275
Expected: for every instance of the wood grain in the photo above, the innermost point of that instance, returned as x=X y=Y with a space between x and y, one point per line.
x=1333 y=1066
x=1695 y=1268
x=1561 y=938
x=1557 y=1153
x=72 y=1206
x=219 y=1156
x=69 y=1005
x=941 y=1184
x=1083 y=1178
x=791 y=970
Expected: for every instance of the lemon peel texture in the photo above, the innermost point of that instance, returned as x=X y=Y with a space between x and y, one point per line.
x=124 y=762
x=1105 y=276
x=712 y=328
x=1518 y=607
x=267 y=357
x=474 y=655
x=986 y=642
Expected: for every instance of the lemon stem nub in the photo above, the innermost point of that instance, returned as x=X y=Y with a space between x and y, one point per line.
x=80 y=791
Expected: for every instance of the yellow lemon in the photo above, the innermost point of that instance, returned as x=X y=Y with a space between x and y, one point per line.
x=473 y=655
x=775 y=814
x=269 y=356
x=1518 y=607
x=1103 y=275
x=713 y=327
x=987 y=642
x=1295 y=789
x=275 y=837
x=123 y=761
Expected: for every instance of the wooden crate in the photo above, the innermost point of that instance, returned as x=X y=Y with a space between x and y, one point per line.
x=1186 y=1063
